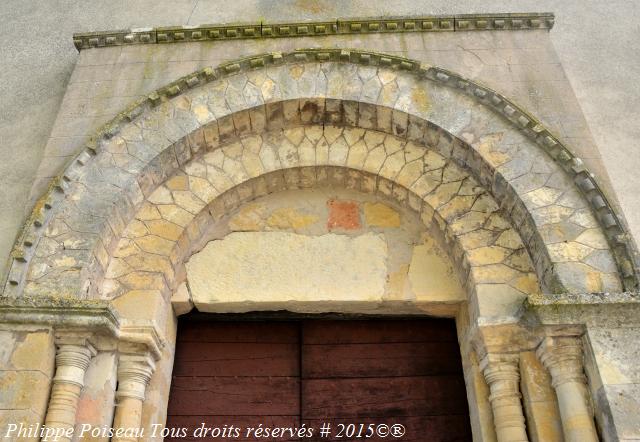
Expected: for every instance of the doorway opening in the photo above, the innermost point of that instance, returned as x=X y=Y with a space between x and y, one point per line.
x=352 y=373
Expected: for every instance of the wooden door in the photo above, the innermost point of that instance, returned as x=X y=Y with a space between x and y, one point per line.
x=238 y=374
x=340 y=372
x=385 y=372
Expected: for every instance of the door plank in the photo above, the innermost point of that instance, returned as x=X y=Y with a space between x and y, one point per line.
x=379 y=360
x=236 y=359
x=274 y=332
x=213 y=396
x=449 y=428
x=383 y=397
x=378 y=331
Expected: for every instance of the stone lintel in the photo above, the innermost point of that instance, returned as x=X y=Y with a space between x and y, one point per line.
x=370 y=25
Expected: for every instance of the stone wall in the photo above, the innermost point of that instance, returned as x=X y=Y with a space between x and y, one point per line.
x=107 y=80
x=26 y=368
x=614 y=353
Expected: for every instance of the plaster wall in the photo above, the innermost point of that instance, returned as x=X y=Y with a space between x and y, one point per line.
x=594 y=40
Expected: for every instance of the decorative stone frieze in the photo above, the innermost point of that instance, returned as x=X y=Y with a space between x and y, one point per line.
x=134 y=373
x=501 y=370
x=429 y=23
x=73 y=355
x=563 y=357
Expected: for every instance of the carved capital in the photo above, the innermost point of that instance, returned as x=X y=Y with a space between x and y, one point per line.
x=72 y=360
x=134 y=374
x=73 y=355
x=502 y=373
x=562 y=356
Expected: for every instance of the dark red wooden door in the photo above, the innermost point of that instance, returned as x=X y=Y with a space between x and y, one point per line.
x=385 y=372
x=238 y=374
x=313 y=372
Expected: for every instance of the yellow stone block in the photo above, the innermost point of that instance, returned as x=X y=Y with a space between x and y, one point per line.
x=35 y=352
x=147 y=212
x=179 y=182
x=175 y=214
x=249 y=218
x=143 y=281
x=155 y=244
x=509 y=239
x=202 y=189
x=155 y=308
x=164 y=229
x=487 y=255
x=381 y=215
x=289 y=218
x=135 y=229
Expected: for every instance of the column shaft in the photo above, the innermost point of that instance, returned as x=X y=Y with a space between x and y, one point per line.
x=134 y=373
x=562 y=356
x=503 y=376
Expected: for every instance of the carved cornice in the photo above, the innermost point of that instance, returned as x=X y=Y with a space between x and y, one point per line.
x=595 y=309
x=95 y=315
x=262 y=29
x=81 y=317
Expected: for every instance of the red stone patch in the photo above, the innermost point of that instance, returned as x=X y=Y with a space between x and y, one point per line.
x=343 y=215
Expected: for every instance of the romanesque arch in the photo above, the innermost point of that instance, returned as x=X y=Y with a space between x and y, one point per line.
x=576 y=239
x=520 y=213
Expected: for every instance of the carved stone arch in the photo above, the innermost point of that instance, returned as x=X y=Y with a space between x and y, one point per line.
x=576 y=241
x=492 y=259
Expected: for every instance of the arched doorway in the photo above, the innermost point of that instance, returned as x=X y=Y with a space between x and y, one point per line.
x=508 y=199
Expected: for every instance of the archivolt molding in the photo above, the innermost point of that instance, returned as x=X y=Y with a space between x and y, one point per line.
x=352 y=88
x=490 y=255
x=430 y=23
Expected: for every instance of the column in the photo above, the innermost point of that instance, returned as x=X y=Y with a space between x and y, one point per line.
x=134 y=373
x=501 y=370
x=72 y=360
x=562 y=356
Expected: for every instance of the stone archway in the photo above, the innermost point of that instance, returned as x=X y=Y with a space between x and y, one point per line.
x=535 y=190
x=124 y=214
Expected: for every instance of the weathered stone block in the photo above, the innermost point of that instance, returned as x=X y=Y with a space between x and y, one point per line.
x=251 y=269
x=34 y=351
